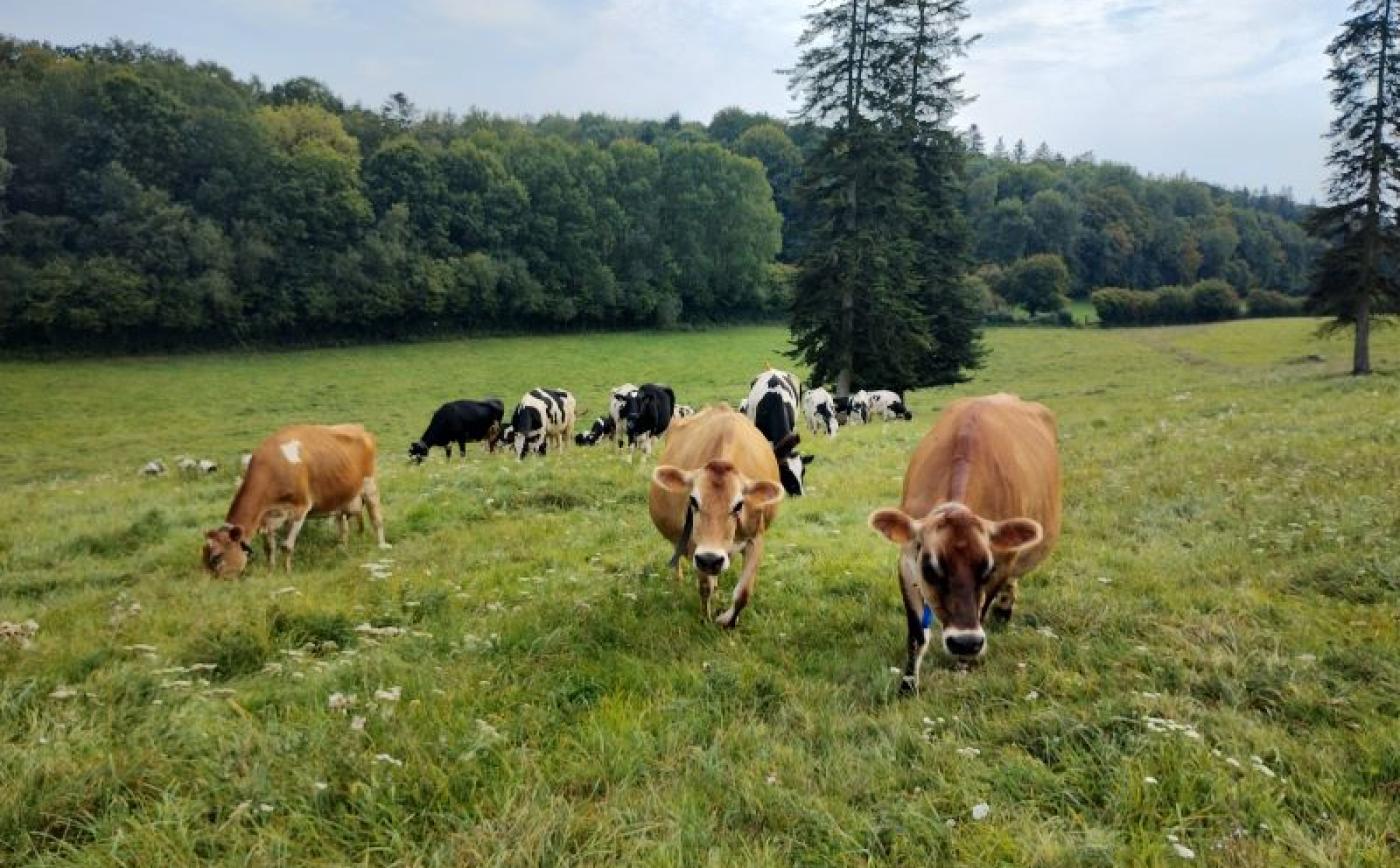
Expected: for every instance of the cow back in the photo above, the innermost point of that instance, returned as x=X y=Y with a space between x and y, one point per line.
x=997 y=455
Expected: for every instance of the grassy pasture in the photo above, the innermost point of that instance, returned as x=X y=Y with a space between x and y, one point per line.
x=1229 y=568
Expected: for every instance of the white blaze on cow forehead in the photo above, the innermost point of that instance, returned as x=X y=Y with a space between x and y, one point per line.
x=291 y=450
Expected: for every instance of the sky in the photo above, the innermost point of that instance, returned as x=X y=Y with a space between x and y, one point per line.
x=1228 y=91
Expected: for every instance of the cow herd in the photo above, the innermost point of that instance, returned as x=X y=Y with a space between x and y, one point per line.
x=980 y=506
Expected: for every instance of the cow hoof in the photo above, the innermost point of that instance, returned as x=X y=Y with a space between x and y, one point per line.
x=385 y=546
x=727 y=619
x=908 y=686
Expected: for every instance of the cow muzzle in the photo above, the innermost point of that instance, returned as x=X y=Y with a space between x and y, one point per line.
x=964 y=644
x=711 y=563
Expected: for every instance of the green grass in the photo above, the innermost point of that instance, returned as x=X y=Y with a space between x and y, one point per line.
x=1229 y=562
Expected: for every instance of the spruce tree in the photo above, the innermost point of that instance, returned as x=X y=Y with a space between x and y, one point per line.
x=880 y=299
x=1356 y=279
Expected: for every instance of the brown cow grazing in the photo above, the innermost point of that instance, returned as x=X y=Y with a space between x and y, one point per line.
x=299 y=471
x=981 y=508
x=714 y=493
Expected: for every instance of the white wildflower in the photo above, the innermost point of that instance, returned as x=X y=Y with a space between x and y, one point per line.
x=357 y=723
x=969 y=752
x=1183 y=851
x=1033 y=696
x=385 y=758
x=390 y=695
x=1149 y=780
x=320 y=786
x=341 y=701
x=981 y=810
x=63 y=691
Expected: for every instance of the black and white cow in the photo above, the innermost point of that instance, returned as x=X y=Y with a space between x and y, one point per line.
x=684 y=411
x=601 y=428
x=460 y=422
x=820 y=411
x=853 y=409
x=647 y=414
x=543 y=418
x=772 y=407
x=889 y=405
x=617 y=400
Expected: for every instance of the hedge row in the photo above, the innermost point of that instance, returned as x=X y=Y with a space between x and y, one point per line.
x=1207 y=301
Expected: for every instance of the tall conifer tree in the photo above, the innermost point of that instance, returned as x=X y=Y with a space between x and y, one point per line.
x=1357 y=278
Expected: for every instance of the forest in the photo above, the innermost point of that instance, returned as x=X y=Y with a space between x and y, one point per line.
x=147 y=202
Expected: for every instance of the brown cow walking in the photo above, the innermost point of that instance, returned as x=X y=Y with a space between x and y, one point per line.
x=299 y=471
x=981 y=508
x=714 y=493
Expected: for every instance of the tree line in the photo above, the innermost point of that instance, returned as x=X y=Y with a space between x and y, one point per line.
x=151 y=202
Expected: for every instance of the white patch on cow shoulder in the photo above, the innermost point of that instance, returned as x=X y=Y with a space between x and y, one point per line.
x=291 y=450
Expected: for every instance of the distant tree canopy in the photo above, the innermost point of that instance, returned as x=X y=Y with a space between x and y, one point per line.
x=1114 y=227
x=146 y=201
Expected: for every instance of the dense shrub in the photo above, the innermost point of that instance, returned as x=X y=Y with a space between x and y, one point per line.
x=1269 y=303
x=1214 y=300
x=1122 y=307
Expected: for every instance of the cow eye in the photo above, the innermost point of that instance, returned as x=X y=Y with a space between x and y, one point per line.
x=738 y=506
x=989 y=568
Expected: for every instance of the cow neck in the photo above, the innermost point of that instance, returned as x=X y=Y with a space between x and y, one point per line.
x=245 y=511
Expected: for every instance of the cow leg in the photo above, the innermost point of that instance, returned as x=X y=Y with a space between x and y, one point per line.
x=342 y=526
x=290 y=543
x=462 y=449
x=376 y=512
x=706 y=585
x=753 y=553
x=270 y=545
x=917 y=641
x=1005 y=601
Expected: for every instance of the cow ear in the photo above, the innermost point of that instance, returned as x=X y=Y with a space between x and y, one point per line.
x=211 y=534
x=673 y=479
x=1015 y=534
x=765 y=491
x=894 y=524
x=784 y=447
x=808 y=459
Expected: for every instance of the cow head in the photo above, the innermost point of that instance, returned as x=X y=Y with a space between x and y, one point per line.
x=959 y=561
x=417 y=451
x=527 y=432
x=725 y=507
x=792 y=465
x=827 y=414
x=225 y=551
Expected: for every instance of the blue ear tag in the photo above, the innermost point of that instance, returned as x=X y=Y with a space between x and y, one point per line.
x=928 y=616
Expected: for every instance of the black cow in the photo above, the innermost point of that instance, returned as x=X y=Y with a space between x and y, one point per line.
x=772 y=407
x=460 y=422
x=602 y=427
x=648 y=414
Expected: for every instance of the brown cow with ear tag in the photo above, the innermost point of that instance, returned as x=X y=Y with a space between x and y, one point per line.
x=713 y=495
x=981 y=508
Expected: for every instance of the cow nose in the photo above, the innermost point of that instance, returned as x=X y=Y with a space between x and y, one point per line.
x=964 y=644
x=709 y=562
